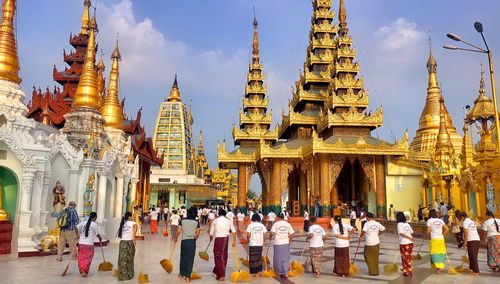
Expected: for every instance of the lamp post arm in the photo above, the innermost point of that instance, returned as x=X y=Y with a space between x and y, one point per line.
x=475 y=46
x=472 y=50
x=494 y=93
x=484 y=40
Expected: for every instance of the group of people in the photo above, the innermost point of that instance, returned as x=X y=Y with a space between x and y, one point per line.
x=225 y=225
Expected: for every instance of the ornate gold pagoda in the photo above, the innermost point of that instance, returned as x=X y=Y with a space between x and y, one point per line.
x=324 y=149
x=112 y=111
x=425 y=139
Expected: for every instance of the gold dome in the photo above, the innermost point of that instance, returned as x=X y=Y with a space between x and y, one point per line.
x=112 y=111
x=9 y=61
x=87 y=92
x=483 y=105
x=175 y=95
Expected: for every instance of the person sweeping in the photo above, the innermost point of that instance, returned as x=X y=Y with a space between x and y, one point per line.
x=437 y=230
x=283 y=233
x=371 y=231
x=87 y=232
x=189 y=229
x=220 y=229
x=405 y=243
x=256 y=233
x=174 y=224
x=491 y=226
x=342 y=233
x=316 y=236
x=472 y=243
x=306 y=221
x=126 y=252
x=154 y=220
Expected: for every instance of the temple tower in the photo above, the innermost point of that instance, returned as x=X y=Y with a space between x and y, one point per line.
x=84 y=123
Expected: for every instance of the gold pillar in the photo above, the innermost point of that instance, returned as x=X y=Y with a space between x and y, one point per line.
x=317 y=178
x=325 y=186
x=456 y=197
x=275 y=193
x=380 y=186
x=335 y=195
x=242 y=186
x=302 y=191
x=480 y=204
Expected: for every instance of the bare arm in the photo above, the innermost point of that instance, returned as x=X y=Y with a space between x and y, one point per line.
x=427 y=232
x=178 y=233
x=408 y=237
x=445 y=230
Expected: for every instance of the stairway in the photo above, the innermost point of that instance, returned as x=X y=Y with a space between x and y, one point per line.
x=5 y=237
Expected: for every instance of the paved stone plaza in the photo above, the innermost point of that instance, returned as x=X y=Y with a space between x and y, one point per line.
x=154 y=248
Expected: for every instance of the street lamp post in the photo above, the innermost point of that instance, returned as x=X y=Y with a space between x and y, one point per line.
x=479 y=28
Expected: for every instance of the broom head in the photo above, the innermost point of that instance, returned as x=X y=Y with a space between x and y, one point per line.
x=244 y=262
x=269 y=273
x=391 y=269
x=465 y=259
x=416 y=257
x=105 y=266
x=143 y=278
x=167 y=265
x=452 y=271
x=353 y=269
x=240 y=276
x=165 y=234
x=203 y=255
x=195 y=276
x=115 y=273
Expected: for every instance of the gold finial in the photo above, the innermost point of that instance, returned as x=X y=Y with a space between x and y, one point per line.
x=175 y=96
x=112 y=111
x=87 y=92
x=432 y=68
x=443 y=138
x=100 y=77
x=255 y=45
x=342 y=18
x=481 y=82
x=9 y=61
x=45 y=115
x=86 y=17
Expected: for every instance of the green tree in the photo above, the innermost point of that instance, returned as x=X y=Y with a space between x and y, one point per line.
x=251 y=194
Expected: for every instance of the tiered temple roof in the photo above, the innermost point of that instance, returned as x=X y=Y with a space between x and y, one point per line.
x=255 y=122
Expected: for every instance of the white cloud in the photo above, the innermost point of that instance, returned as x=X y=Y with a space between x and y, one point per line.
x=399 y=35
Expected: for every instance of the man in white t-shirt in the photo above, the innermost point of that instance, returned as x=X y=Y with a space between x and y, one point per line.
x=283 y=233
x=230 y=216
x=220 y=230
x=241 y=221
x=271 y=218
x=174 y=224
x=353 y=217
x=371 y=231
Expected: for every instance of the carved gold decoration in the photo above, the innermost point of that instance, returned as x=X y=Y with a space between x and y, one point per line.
x=255 y=117
x=50 y=241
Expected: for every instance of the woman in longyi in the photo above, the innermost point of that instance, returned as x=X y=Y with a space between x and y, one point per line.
x=87 y=232
x=437 y=230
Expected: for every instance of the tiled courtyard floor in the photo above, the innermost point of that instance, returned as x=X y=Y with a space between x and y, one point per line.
x=43 y=270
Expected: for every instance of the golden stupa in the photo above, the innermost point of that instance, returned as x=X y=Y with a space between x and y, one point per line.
x=9 y=61
x=87 y=94
x=175 y=95
x=112 y=111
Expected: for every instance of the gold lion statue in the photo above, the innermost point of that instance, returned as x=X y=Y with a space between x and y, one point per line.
x=50 y=241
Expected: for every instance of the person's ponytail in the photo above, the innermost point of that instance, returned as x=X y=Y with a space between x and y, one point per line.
x=339 y=221
x=92 y=216
x=122 y=223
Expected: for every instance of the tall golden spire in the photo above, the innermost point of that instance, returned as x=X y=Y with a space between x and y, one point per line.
x=432 y=69
x=201 y=149
x=342 y=19
x=100 y=78
x=444 y=147
x=87 y=93
x=9 y=62
x=175 y=96
x=255 y=44
x=466 y=156
x=112 y=111
x=86 y=17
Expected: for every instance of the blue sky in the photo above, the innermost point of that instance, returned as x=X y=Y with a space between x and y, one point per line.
x=208 y=44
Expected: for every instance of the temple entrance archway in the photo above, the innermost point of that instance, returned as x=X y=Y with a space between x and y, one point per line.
x=352 y=183
x=9 y=192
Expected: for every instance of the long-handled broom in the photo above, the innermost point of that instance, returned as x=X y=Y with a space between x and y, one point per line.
x=418 y=256
x=69 y=261
x=167 y=263
x=461 y=268
x=297 y=268
x=104 y=266
x=353 y=269
x=451 y=270
x=143 y=278
x=268 y=272
x=239 y=274
x=392 y=268
x=203 y=254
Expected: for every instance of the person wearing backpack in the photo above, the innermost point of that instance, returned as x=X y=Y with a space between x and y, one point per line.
x=67 y=221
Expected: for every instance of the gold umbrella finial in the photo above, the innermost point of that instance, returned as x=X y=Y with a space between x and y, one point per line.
x=9 y=60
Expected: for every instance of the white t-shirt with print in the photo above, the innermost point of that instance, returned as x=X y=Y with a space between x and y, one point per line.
x=282 y=229
x=404 y=228
x=353 y=214
x=93 y=232
x=154 y=215
x=230 y=216
x=372 y=229
x=471 y=227
x=341 y=243
x=128 y=231
x=317 y=239
x=490 y=228
x=436 y=226
x=174 y=220
x=241 y=217
x=271 y=217
x=256 y=230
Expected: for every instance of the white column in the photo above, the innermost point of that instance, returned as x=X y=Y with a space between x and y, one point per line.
x=101 y=197
x=74 y=191
x=36 y=200
x=133 y=191
x=24 y=242
x=119 y=197
x=45 y=195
